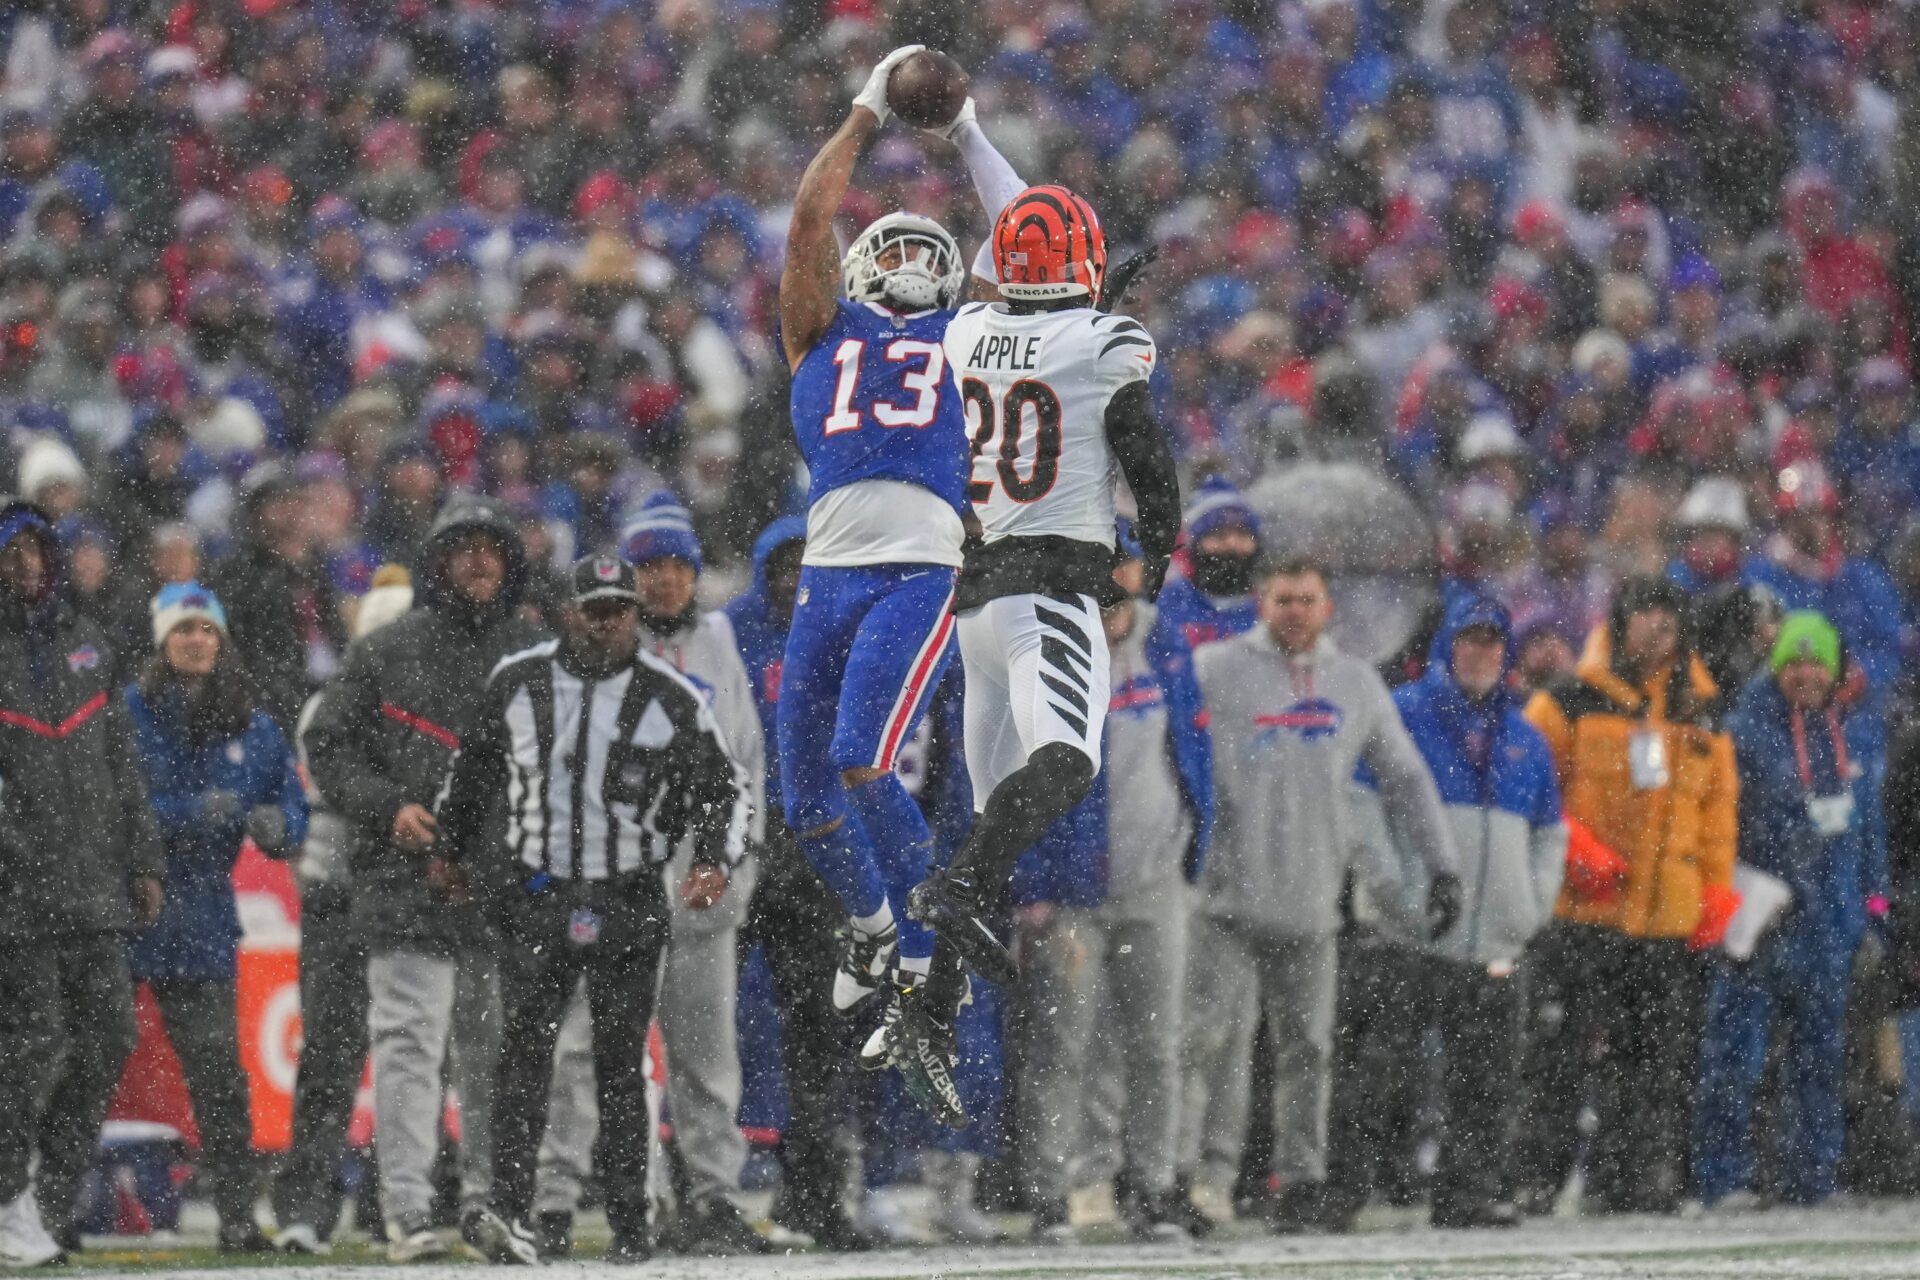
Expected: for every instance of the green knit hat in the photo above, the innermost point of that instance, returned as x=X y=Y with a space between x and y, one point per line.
x=1804 y=635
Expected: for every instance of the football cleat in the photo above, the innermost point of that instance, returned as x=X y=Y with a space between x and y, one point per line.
x=863 y=965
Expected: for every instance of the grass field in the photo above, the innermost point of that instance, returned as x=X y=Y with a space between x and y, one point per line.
x=1861 y=1242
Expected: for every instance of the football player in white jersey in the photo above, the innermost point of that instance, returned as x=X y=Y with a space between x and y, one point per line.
x=1057 y=409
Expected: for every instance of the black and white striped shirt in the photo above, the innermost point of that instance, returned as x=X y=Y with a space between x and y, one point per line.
x=602 y=776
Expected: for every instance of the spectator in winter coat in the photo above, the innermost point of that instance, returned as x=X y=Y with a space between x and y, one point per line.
x=1812 y=761
x=1292 y=717
x=1497 y=781
x=700 y=987
x=1215 y=600
x=1649 y=786
x=379 y=747
x=1711 y=528
x=1101 y=910
x=219 y=772
x=1807 y=566
x=83 y=865
x=279 y=603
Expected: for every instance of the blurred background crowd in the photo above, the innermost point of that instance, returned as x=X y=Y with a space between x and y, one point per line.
x=1579 y=291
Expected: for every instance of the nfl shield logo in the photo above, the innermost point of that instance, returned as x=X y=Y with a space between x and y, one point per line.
x=583 y=929
x=607 y=570
x=84 y=658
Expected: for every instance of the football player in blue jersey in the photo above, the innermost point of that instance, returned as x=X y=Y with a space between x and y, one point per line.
x=879 y=421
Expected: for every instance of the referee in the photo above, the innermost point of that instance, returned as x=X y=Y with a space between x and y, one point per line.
x=607 y=757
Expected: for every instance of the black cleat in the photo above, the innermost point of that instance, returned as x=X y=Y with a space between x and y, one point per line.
x=629 y=1250
x=553 y=1233
x=716 y=1229
x=952 y=905
x=921 y=1046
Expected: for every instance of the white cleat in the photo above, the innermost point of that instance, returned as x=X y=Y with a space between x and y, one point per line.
x=863 y=965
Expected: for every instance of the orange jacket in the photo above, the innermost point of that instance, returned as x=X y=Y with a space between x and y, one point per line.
x=1677 y=839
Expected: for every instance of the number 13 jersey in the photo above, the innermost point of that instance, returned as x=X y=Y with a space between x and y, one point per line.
x=877 y=418
x=1036 y=388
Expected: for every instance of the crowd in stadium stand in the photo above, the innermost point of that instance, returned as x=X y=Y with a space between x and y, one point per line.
x=1617 y=298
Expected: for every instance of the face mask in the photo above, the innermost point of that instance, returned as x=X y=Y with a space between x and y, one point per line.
x=1222 y=575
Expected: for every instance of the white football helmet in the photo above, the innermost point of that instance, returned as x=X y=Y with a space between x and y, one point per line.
x=930 y=273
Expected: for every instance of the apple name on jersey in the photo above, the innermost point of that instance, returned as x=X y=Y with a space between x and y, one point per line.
x=1036 y=389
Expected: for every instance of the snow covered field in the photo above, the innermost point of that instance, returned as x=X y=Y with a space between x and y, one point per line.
x=1855 y=1243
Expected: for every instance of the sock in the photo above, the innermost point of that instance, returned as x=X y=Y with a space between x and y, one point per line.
x=916 y=964
x=1018 y=813
x=877 y=923
x=902 y=849
x=946 y=982
x=844 y=860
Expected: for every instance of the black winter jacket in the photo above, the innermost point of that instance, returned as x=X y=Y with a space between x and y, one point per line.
x=75 y=828
x=384 y=734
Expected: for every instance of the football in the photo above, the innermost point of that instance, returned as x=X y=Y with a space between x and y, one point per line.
x=927 y=89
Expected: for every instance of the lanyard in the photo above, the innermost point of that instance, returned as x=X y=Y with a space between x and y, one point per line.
x=1838 y=739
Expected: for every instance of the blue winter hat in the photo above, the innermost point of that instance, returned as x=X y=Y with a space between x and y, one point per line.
x=1693 y=272
x=662 y=528
x=180 y=602
x=1215 y=505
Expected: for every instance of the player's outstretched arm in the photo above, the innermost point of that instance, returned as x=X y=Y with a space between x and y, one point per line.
x=810 y=280
x=1146 y=460
x=995 y=181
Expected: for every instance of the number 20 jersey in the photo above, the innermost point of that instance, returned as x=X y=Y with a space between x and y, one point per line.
x=1036 y=389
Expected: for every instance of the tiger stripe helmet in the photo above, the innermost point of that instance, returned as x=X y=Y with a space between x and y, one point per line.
x=1047 y=244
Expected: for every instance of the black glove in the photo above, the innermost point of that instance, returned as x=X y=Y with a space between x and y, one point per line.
x=219 y=806
x=1443 y=905
x=1122 y=274
x=267 y=828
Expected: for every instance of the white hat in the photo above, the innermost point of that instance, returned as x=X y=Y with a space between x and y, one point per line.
x=231 y=426
x=388 y=601
x=1597 y=345
x=1714 y=503
x=1488 y=435
x=45 y=463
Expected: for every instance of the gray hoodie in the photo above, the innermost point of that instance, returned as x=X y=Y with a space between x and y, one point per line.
x=1287 y=735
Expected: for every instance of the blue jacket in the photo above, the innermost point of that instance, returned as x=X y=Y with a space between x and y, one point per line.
x=1497 y=780
x=761 y=636
x=198 y=933
x=1068 y=865
x=1198 y=619
x=1831 y=877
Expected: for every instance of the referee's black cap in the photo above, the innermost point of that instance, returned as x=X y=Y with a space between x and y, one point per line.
x=604 y=578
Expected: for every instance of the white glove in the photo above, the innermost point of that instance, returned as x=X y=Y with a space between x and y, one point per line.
x=874 y=96
x=963 y=116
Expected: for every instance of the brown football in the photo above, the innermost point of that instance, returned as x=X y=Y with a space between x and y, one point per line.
x=927 y=89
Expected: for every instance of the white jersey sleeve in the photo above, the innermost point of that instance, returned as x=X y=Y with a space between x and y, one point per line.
x=1036 y=388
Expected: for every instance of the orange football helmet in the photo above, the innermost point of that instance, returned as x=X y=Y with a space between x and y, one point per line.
x=1047 y=244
